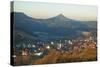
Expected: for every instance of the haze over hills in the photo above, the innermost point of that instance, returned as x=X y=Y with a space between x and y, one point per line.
x=58 y=27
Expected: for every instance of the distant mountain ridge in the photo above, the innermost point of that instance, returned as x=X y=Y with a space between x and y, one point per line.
x=52 y=28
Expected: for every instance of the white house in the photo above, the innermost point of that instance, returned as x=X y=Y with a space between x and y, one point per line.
x=38 y=54
x=59 y=45
x=24 y=53
x=29 y=45
x=14 y=56
x=52 y=43
x=48 y=47
x=33 y=45
x=70 y=42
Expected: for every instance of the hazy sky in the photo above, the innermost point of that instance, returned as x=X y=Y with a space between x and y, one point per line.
x=46 y=10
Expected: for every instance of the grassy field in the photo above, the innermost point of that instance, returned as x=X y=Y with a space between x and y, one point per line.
x=88 y=54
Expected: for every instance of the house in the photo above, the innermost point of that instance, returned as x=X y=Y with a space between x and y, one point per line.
x=14 y=53
x=59 y=45
x=38 y=54
x=25 y=52
x=35 y=50
x=29 y=45
x=70 y=42
x=52 y=43
x=33 y=45
x=92 y=46
x=84 y=45
x=48 y=47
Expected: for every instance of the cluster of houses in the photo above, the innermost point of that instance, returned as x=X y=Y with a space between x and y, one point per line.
x=42 y=48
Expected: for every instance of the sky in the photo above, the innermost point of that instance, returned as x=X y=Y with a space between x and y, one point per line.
x=42 y=10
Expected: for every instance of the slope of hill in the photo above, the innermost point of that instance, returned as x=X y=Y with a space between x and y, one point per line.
x=52 y=28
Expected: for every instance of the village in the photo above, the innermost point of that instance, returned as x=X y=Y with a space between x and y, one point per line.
x=41 y=49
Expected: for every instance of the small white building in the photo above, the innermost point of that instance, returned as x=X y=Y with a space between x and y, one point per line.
x=33 y=45
x=48 y=47
x=70 y=42
x=29 y=45
x=24 y=53
x=52 y=43
x=38 y=54
x=59 y=45
x=35 y=50
x=14 y=56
